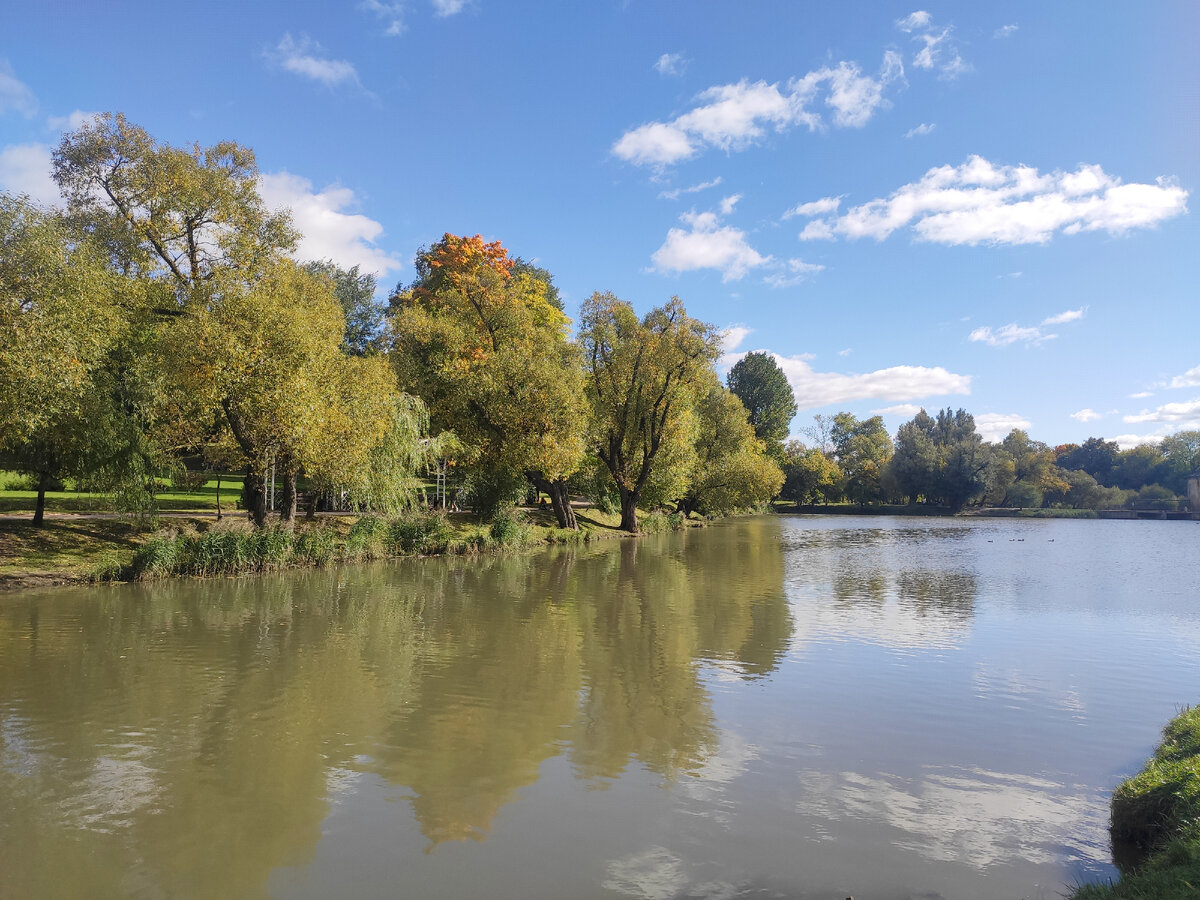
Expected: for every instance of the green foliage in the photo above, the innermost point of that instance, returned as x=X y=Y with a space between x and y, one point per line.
x=1155 y=823
x=942 y=459
x=642 y=380
x=658 y=522
x=863 y=450
x=509 y=528
x=420 y=532
x=760 y=384
x=355 y=291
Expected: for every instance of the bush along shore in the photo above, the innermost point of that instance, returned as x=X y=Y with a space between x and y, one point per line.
x=208 y=551
x=1155 y=822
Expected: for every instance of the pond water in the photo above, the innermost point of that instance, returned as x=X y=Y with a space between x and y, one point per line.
x=794 y=707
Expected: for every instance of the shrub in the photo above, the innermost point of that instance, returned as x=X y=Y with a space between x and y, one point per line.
x=509 y=528
x=418 y=532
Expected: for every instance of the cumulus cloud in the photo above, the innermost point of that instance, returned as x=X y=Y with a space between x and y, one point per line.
x=1027 y=334
x=706 y=244
x=728 y=203
x=821 y=207
x=994 y=427
x=794 y=272
x=329 y=231
x=15 y=95
x=1086 y=415
x=908 y=410
x=693 y=189
x=1129 y=441
x=982 y=203
x=922 y=129
x=670 y=64
x=735 y=116
x=938 y=49
x=1185 y=414
x=732 y=337
x=897 y=383
x=1190 y=378
x=25 y=169
x=305 y=57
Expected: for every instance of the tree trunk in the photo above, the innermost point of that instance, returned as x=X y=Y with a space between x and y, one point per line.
x=629 y=501
x=218 y=496
x=39 y=511
x=560 y=500
x=254 y=496
x=287 y=507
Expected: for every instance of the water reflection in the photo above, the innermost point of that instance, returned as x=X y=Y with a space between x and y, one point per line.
x=191 y=737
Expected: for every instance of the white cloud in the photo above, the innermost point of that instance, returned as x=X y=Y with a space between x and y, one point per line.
x=922 y=129
x=994 y=427
x=899 y=383
x=670 y=64
x=732 y=337
x=1086 y=415
x=391 y=13
x=25 y=169
x=1009 y=334
x=1185 y=414
x=15 y=95
x=305 y=57
x=938 y=49
x=445 y=8
x=329 y=232
x=818 y=230
x=707 y=245
x=795 y=272
x=728 y=203
x=694 y=189
x=1190 y=378
x=1129 y=441
x=908 y=410
x=71 y=122
x=914 y=21
x=821 y=207
x=735 y=116
x=1005 y=31
x=845 y=352
x=1062 y=318
x=1028 y=334
x=981 y=203
x=1140 y=395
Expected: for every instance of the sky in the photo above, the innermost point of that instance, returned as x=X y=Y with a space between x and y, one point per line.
x=986 y=206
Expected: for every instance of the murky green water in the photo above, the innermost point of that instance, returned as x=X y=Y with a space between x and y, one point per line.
x=792 y=707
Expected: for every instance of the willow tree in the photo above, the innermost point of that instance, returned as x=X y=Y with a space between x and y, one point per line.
x=268 y=357
x=732 y=469
x=483 y=342
x=60 y=321
x=642 y=377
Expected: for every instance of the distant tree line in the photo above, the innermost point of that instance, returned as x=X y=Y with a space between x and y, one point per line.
x=942 y=461
x=160 y=321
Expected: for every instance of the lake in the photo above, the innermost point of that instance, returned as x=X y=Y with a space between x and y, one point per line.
x=792 y=707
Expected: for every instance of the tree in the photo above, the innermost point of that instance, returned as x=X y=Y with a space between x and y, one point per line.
x=355 y=291
x=1181 y=458
x=760 y=384
x=1096 y=456
x=483 y=342
x=1138 y=466
x=731 y=468
x=182 y=215
x=59 y=323
x=862 y=449
x=1034 y=471
x=810 y=474
x=641 y=380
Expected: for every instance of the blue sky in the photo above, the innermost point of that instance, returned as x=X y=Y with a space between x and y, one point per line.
x=976 y=205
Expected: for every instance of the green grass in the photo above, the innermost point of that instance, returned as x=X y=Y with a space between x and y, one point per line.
x=22 y=499
x=1155 y=822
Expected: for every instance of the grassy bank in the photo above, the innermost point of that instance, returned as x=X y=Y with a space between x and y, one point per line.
x=1155 y=822
x=87 y=549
